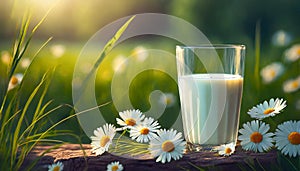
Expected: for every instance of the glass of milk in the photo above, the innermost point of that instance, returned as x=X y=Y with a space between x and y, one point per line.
x=210 y=81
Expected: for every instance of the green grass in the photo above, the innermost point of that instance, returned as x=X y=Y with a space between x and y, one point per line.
x=43 y=103
x=24 y=110
x=60 y=89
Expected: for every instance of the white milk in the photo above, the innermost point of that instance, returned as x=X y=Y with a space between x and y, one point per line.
x=210 y=107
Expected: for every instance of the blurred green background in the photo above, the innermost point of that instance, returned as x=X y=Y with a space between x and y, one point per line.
x=72 y=22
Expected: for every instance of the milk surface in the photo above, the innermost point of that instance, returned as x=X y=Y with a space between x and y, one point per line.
x=210 y=107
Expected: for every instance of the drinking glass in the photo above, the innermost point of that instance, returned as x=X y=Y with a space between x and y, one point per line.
x=210 y=82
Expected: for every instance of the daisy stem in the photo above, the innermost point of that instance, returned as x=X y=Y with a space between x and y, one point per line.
x=257 y=56
x=119 y=139
x=271 y=122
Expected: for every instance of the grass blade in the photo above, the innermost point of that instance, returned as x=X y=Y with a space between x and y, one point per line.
x=257 y=56
x=107 y=48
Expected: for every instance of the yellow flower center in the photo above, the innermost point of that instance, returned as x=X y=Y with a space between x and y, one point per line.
x=144 y=131
x=272 y=73
x=168 y=101
x=114 y=168
x=298 y=51
x=168 y=146
x=295 y=84
x=256 y=137
x=130 y=122
x=268 y=111
x=294 y=138
x=56 y=168
x=104 y=140
x=14 y=80
x=227 y=150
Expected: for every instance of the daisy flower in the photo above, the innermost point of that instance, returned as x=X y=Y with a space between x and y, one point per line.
x=226 y=149
x=292 y=54
x=265 y=109
x=291 y=85
x=14 y=81
x=102 y=139
x=130 y=118
x=145 y=131
x=167 y=99
x=115 y=166
x=119 y=64
x=58 y=50
x=25 y=62
x=271 y=72
x=140 y=53
x=287 y=138
x=281 y=38
x=167 y=145
x=6 y=57
x=255 y=137
x=56 y=167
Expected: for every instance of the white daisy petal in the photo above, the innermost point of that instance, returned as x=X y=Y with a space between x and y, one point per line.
x=115 y=166
x=167 y=99
x=293 y=53
x=171 y=145
x=291 y=85
x=140 y=53
x=102 y=139
x=256 y=137
x=145 y=131
x=271 y=72
x=56 y=167
x=130 y=118
x=15 y=81
x=226 y=149
x=287 y=138
x=58 y=50
x=266 y=109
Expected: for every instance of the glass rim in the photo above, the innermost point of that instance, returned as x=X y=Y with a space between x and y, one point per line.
x=213 y=46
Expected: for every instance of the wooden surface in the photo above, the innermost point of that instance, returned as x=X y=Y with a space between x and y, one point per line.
x=73 y=159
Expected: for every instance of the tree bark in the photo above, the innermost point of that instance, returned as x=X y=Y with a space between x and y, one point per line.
x=72 y=157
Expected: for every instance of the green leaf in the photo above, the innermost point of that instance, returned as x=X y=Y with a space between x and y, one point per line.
x=257 y=56
x=110 y=44
x=107 y=48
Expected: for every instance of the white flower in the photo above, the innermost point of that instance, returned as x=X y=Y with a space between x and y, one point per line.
x=115 y=166
x=5 y=57
x=271 y=72
x=130 y=118
x=56 y=167
x=281 y=38
x=140 y=53
x=25 y=62
x=102 y=139
x=265 y=109
x=287 y=138
x=226 y=149
x=167 y=99
x=145 y=131
x=119 y=64
x=167 y=145
x=292 y=54
x=58 y=50
x=291 y=85
x=255 y=137
x=14 y=81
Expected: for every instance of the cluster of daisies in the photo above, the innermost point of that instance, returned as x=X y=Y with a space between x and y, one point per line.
x=274 y=70
x=163 y=144
x=255 y=135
